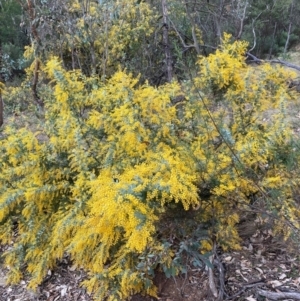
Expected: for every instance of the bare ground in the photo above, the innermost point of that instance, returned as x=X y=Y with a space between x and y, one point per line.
x=263 y=266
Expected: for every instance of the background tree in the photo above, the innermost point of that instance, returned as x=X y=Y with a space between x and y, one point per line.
x=272 y=26
x=73 y=31
x=13 y=38
x=132 y=34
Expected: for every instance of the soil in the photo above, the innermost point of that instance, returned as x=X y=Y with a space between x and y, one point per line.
x=263 y=263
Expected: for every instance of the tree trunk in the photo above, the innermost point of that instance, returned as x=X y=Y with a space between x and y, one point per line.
x=287 y=39
x=35 y=95
x=242 y=20
x=35 y=35
x=31 y=11
x=166 y=43
x=195 y=39
x=289 y=30
x=1 y=109
x=1 y=88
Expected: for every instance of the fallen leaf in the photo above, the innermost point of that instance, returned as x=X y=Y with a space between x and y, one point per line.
x=275 y=283
x=2 y=281
x=250 y=298
x=260 y=270
x=297 y=281
x=63 y=291
x=250 y=247
x=239 y=273
x=282 y=276
x=72 y=268
x=282 y=266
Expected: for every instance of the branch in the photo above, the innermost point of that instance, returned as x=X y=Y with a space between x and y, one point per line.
x=244 y=288
x=180 y=37
x=196 y=44
x=276 y=61
x=211 y=281
x=279 y=295
x=253 y=30
x=254 y=36
x=254 y=59
x=242 y=21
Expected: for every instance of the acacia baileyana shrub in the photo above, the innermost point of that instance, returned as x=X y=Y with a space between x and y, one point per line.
x=115 y=157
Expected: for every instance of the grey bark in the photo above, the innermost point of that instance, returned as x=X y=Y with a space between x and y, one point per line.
x=279 y=295
x=166 y=43
x=1 y=110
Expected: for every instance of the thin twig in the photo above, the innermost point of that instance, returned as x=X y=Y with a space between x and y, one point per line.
x=245 y=287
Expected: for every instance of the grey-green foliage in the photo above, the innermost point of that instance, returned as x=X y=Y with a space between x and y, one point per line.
x=12 y=61
x=13 y=38
x=270 y=27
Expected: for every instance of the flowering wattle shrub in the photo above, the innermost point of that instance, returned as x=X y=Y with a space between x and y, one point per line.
x=117 y=157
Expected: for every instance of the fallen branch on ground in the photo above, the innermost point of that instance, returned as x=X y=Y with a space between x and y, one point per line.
x=279 y=295
x=276 y=61
x=255 y=59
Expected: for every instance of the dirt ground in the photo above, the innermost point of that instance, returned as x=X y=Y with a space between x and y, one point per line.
x=263 y=266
